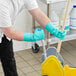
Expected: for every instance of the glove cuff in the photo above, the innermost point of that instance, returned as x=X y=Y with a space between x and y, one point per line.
x=51 y=28
x=28 y=37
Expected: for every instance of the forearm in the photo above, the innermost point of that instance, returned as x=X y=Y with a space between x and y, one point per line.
x=40 y=17
x=23 y=36
x=13 y=34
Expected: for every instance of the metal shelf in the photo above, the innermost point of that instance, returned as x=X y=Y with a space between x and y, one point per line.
x=51 y=1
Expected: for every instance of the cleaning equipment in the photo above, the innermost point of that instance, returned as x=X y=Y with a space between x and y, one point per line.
x=69 y=71
x=64 y=23
x=67 y=25
x=52 y=67
x=73 y=18
x=51 y=50
x=56 y=70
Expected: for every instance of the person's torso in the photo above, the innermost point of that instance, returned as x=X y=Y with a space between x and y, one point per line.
x=16 y=6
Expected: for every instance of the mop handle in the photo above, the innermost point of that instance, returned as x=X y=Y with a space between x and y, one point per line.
x=64 y=22
x=44 y=48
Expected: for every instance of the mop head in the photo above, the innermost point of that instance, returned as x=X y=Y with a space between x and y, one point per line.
x=51 y=51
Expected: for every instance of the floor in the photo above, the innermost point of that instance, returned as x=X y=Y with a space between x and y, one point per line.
x=29 y=64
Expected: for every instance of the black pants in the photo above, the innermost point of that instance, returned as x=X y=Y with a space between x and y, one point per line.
x=7 y=57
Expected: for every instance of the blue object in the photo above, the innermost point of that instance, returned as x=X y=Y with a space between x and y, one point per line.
x=53 y=30
x=74 y=6
x=38 y=29
x=37 y=36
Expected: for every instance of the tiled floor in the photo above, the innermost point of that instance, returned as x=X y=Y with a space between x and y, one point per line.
x=29 y=64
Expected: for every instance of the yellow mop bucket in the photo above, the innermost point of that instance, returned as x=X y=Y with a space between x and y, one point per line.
x=52 y=67
x=69 y=71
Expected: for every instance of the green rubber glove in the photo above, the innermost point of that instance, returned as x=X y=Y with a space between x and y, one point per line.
x=33 y=37
x=53 y=30
x=66 y=27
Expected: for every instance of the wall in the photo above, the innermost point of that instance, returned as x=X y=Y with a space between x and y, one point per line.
x=24 y=23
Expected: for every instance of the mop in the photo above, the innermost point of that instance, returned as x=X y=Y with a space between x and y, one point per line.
x=51 y=58
x=50 y=50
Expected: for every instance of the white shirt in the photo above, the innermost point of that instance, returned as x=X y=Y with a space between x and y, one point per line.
x=9 y=9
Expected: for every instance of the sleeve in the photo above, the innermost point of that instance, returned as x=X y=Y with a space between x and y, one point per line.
x=5 y=20
x=31 y=4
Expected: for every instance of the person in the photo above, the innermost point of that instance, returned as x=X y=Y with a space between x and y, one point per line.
x=9 y=9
